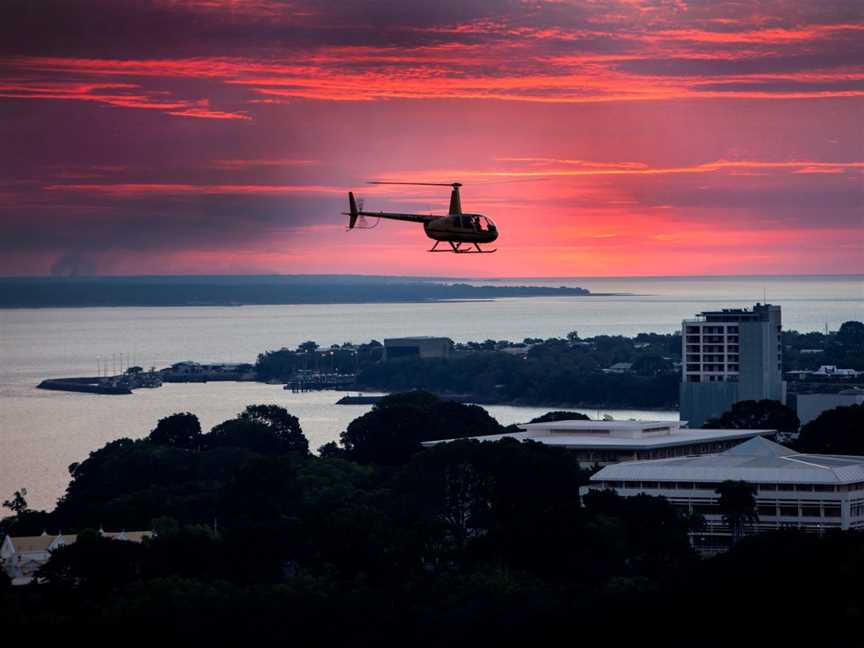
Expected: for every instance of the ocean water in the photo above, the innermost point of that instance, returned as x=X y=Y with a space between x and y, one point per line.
x=42 y=432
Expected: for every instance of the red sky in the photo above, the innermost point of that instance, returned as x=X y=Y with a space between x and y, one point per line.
x=620 y=137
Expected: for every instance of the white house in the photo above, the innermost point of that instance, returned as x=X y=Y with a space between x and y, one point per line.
x=22 y=556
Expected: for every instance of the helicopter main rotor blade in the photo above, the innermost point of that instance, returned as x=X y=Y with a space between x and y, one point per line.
x=419 y=184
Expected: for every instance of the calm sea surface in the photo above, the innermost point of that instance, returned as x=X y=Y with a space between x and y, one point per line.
x=42 y=432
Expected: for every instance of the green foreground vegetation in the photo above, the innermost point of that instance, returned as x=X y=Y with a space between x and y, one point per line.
x=377 y=541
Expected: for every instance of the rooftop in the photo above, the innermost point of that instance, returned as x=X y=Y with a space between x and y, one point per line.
x=418 y=338
x=759 y=312
x=621 y=435
x=755 y=461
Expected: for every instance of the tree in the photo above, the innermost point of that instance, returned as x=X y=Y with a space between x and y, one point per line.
x=396 y=426
x=560 y=415
x=651 y=364
x=387 y=435
x=757 y=415
x=494 y=501
x=331 y=450
x=93 y=563
x=737 y=505
x=18 y=503
x=308 y=346
x=851 y=335
x=266 y=429
x=835 y=431
x=178 y=431
x=285 y=426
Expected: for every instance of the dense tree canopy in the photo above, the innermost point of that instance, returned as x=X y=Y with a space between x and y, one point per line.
x=737 y=505
x=266 y=429
x=757 y=415
x=396 y=426
x=465 y=543
x=835 y=431
x=560 y=415
x=808 y=351
x=178 y=430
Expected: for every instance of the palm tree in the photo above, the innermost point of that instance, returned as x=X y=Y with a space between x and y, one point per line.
x=737 y=506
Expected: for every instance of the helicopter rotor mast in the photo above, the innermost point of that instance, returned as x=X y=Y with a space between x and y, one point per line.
x=455 y=201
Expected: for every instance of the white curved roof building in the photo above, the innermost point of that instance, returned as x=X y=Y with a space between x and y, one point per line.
x=809 y=491
x=608 y=442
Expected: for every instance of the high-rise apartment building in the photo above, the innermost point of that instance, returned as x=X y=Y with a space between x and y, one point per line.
x=728 y=356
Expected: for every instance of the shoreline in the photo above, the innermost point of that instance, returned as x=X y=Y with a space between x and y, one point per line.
x=430 y=300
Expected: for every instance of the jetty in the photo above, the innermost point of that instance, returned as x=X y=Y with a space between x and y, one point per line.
x=304 y=381
x=123 y=384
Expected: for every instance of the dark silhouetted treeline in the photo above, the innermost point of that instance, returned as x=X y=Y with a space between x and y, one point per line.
x=32 y=292
x=463 y=544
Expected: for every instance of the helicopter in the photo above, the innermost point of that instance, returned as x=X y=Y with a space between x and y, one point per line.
x=463 y=232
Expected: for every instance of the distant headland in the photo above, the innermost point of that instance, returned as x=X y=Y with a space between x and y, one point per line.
x=237 y=290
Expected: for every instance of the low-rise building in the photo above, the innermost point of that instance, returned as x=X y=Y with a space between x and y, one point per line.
x=423 y=347
x=620 y=368
x=806 y=491
x=22 y=556
x=607 y=442
x=825 y=372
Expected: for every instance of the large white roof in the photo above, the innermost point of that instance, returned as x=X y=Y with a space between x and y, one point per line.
x=602 y=426
x=579 y=439
x=755 y=461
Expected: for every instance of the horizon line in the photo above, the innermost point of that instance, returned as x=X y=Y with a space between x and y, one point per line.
x=433 y=277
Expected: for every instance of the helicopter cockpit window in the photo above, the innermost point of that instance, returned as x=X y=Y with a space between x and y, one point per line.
x=481 y=223
x=466 y=222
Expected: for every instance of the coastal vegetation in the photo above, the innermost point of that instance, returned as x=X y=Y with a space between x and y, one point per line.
x=376 y=543
x=600 y=371
x=38 y=292
x=566 y=370
x=757 y=415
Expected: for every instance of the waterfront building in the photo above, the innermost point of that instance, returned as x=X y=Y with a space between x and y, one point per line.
x=728 y=356
x=620 y=368
x=424 y=347
x=810 y=406
x=608 y=442
x=825 y=372
x=22 y=556
x=805 y=491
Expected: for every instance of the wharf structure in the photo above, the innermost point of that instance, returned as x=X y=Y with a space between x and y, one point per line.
x=423 y=347
x=805 y=491
x=609 y=442
x=728 y=356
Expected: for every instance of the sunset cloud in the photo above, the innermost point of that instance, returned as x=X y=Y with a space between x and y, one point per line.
x=644 y=136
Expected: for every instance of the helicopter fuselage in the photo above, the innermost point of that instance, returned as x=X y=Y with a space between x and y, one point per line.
x=462 y=228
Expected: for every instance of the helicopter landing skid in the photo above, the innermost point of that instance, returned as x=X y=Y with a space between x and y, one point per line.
x=458 y=249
